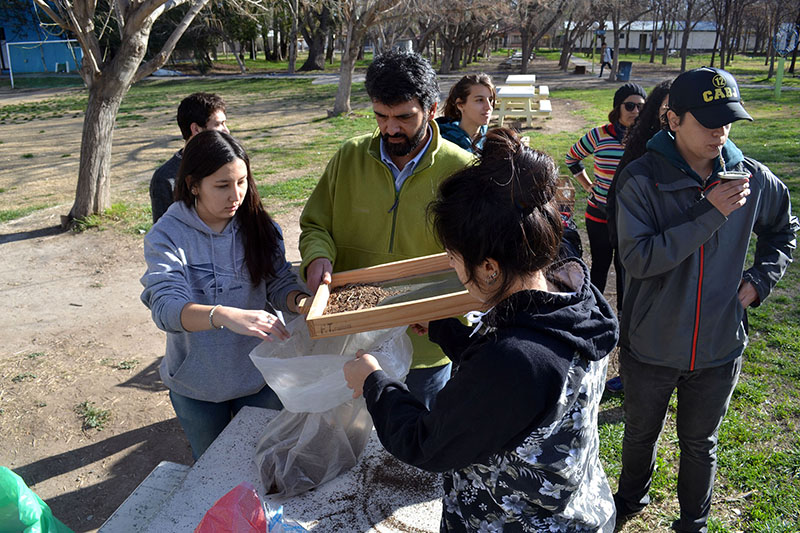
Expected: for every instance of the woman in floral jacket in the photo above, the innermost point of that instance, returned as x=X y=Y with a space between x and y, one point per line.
x=515 y=429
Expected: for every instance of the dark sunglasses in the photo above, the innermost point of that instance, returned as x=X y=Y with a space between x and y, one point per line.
x=630 y=106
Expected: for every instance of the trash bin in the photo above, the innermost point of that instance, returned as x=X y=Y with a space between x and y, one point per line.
x=624 y=71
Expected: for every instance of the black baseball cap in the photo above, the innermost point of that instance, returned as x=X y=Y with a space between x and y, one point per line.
x=711 y=94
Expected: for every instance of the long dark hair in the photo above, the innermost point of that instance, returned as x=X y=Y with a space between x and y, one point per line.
x=501 y=208
x=647 y=124
x=460 y=91
x=207 y=152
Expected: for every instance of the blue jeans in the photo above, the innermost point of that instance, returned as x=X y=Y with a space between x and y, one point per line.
x=703 y=398
x=202 y=422
x=425 y=383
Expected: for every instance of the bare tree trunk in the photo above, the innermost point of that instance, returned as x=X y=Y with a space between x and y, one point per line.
x=341 y=105
x=352 y=47
x=238 y=55
x=714 y=50
x=526 y=50
x=668 y=25
x=771 y=60
x=293 y=37
x=315 y=32
x=277 y=55
x=330 y=47
x=447 y=58
x=654 y=42
x=457 y=51
x=265 y=38
x=93 y=192
x=725 y=37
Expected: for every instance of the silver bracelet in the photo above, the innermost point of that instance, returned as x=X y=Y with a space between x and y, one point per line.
x=211 y=318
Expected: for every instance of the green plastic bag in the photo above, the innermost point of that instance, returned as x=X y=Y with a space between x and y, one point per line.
x=22 y=511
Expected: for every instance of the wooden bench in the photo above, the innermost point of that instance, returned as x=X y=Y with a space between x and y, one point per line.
x=543 y=92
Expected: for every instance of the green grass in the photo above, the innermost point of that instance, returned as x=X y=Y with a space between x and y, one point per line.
x=23 y=376
x=13 y=214
x=261 y=66
x=126 y=217
x=92 y=417
x=42 y=81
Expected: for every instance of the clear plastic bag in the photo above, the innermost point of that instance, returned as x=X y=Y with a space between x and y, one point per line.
x=307 y=374
x=322 y=431
x=300 y=451
x=278 y=523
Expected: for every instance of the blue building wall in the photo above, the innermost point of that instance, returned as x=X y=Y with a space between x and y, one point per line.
x=19 y=23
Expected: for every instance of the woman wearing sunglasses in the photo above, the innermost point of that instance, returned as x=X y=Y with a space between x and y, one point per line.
x=605 y=144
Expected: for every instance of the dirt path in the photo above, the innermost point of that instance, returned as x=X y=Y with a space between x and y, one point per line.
x=75 y=330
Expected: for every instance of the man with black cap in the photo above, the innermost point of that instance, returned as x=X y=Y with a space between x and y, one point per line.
x=684 y=227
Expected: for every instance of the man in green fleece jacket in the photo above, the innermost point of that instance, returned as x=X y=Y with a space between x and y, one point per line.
x=369 y=206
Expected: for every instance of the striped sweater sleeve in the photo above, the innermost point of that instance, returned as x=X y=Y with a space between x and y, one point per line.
x=606 y=150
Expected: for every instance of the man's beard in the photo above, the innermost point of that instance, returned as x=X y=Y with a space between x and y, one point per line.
x=404 y=148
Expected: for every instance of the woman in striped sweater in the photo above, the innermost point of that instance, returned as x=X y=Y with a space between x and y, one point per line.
x=604 y=143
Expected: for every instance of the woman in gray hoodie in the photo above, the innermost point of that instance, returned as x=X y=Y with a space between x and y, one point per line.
x=214 y=261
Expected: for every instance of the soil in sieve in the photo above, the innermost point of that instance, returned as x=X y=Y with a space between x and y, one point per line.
x=355 y=296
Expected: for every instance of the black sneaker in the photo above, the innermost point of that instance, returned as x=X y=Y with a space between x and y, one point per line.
x=676 y=527
x=625 y=513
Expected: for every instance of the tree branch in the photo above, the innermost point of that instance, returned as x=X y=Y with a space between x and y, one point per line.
x=145 y=69
x=84 y=33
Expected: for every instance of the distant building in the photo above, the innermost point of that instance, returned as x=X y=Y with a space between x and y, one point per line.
x=28 y=46
x=638 y=36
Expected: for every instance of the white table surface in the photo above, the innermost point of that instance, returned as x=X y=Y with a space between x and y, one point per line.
x=516 y=91
x=379 y=495
x=521 y=79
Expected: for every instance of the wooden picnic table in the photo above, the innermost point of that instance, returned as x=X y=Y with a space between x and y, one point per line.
x=522 y=101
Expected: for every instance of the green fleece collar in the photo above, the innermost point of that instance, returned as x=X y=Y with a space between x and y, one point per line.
x=426 y=160
x=663 y=143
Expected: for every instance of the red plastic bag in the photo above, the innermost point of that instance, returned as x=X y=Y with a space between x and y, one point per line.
x=239 y=511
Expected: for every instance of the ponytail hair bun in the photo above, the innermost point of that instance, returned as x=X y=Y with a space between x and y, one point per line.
x=531 y=175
